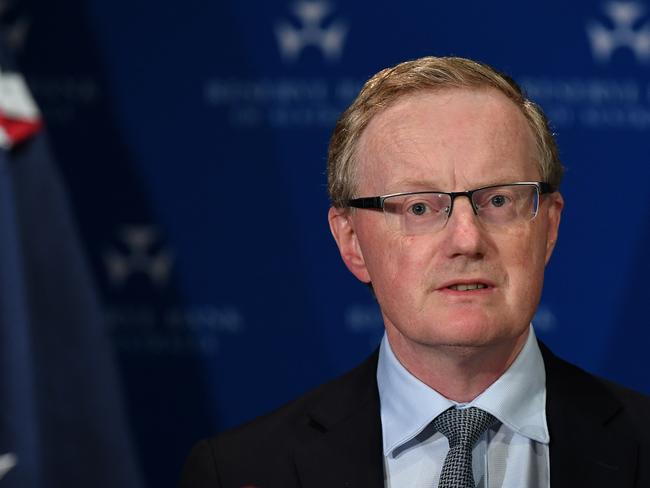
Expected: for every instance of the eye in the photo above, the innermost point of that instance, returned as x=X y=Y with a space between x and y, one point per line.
x=419 y=208
x=498 y=200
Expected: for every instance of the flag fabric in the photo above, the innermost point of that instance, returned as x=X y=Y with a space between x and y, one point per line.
x=62 y=422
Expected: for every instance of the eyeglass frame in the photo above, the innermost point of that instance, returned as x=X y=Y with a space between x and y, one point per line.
x=377 y=202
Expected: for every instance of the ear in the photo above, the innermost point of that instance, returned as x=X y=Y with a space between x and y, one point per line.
x=556 y=203
x=342 y=229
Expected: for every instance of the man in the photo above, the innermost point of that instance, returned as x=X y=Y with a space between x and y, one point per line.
x=444 y=184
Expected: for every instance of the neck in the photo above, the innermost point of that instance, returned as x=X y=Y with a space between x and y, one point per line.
x=459 y=373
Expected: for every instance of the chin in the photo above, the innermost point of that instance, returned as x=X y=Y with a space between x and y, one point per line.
x=474 y=331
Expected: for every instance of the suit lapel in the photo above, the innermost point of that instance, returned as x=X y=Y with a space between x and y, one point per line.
x=590 y=444
x=347 y=451
x=590 y=441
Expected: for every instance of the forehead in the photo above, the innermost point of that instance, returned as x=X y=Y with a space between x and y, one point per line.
x=450 y=139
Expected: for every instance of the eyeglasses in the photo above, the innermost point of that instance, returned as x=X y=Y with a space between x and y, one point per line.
x=421 y=212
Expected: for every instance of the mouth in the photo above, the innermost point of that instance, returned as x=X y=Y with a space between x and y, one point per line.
x=467 y=287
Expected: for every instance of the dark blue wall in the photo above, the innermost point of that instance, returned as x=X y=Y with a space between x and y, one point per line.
x=193 y=148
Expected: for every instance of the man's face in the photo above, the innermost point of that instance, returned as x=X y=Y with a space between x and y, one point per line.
x=449 y=140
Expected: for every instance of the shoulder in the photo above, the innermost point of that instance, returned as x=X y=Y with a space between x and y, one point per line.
x=322 y=406
x=599 y=430
x=634 y=403
x=571 y=389
x=568 y=377
x=264 y=447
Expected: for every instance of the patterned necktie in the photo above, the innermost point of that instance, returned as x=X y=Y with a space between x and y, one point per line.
x=462 y=427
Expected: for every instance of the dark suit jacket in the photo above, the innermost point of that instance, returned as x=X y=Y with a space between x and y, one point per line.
x=331 y=437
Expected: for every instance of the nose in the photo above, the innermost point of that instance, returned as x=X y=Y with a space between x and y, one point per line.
x=464 y=235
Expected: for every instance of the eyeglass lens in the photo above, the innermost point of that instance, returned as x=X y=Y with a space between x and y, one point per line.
x=423 y=212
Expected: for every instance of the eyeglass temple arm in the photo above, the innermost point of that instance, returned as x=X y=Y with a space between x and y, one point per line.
x=367 y=202
x=546 y=188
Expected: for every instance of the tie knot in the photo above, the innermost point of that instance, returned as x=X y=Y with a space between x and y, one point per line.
x=463 y=426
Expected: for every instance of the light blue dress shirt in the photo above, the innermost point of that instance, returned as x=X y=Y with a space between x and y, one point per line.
x=511 y=454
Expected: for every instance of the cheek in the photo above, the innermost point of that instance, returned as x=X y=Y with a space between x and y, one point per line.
x=398 y=263
x=524 y=262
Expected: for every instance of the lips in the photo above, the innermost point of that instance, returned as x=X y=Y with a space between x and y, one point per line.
x=467 y=285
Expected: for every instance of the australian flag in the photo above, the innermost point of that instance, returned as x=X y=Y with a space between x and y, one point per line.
x=61 y=419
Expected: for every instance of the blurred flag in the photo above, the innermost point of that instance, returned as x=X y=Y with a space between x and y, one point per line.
x=61 y=419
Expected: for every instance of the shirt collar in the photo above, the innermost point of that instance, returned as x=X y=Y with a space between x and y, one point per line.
x=517 y=398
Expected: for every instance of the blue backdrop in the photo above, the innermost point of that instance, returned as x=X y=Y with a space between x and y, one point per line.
x=192 y=140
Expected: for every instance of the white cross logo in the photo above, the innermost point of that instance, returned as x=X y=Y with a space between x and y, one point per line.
x=330 y=39
x=139 y=257
x=624 y=16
